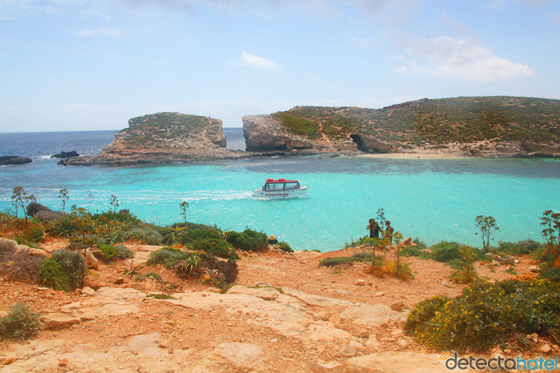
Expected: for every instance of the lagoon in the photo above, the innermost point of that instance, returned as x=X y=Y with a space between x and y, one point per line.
x=432 y=199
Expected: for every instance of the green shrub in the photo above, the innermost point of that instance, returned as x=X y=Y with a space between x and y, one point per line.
x=20 y=323
x=465 y=273
x=214 y=246
x=420 y=245
x=248 y=240
x=74 y=264
x=108 y=252
x=423 y=312
x=285 y=247
x=167 y=256
x=365 y=257
x=31 y=234
x=518 y=248
x=146 y=236
x=488 y=314
x=122 y=252
x=187 y=266
x=200 y=234
x=53 y=274
x=552 y=274
x=411 y=251
x=445 y=251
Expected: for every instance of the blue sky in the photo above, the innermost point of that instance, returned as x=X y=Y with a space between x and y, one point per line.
x=93 y=64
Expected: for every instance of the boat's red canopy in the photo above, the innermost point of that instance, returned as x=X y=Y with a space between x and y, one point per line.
x=280 y=181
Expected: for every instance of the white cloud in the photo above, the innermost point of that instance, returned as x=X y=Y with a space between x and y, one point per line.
x=101 y=31
x=444 y=56
x=248 y=59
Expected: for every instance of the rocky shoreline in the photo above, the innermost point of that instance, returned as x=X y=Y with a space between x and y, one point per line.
x=446 y=128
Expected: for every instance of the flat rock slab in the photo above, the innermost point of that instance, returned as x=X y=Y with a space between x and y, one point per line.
x=396 y=362
x=53 y=321
x=242 y=355
x=372 y=315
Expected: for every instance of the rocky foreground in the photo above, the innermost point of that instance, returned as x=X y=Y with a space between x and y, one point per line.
x=284 y=314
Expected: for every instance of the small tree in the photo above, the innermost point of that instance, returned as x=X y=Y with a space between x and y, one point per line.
x=487 y=226
x=63 y=195
x=20 y=199
x=184 y=206
x=114 y=203
x=398 y=237
x=466 y=273
x=381 y=219
x=90 y=200
x=551 y=233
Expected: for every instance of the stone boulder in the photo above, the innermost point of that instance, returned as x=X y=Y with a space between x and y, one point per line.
x=38 y=211
x=64 y=154
x=10 y=160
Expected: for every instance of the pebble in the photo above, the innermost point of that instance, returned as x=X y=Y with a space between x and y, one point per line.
x=10 y=360
x=545 y=349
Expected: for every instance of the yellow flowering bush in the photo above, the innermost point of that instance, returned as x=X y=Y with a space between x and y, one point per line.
x=487 y=314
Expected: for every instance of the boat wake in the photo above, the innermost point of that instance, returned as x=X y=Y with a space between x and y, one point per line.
x=217 y=195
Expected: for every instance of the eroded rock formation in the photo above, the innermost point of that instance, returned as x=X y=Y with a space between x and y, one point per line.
x=164 y=138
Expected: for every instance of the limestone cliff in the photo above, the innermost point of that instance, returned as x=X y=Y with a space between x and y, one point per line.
x=267 y=133
x=465 y=126
x=164 y=138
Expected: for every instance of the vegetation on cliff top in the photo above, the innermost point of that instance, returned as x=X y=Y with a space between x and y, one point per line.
x=462 y=119
x=166 y=126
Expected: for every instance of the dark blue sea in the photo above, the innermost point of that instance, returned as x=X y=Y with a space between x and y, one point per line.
x=434 y=200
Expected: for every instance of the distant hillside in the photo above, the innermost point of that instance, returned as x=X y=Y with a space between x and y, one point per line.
x=531 y=123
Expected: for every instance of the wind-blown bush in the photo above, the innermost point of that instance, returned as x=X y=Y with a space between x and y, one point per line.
x=53 y=274
x=517 y=248
x=73 y=264
x=217 y=247
x=248 y=240
x=108 y=252
x=20 y=323
x=167 y=256
x=122 y=252
x=146 y=235
x=445 y=251
x=487 y=314
x=284 y=246
x=200 y=234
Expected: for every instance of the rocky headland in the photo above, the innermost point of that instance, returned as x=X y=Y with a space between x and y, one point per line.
x=163 y=138
x=454 y=127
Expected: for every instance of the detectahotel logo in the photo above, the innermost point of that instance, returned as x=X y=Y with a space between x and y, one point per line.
x=453 y=361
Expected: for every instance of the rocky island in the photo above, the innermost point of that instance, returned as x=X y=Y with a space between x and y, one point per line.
x=493 y=127
x=163 y=138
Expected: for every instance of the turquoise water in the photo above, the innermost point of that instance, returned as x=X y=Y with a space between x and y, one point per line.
x=431 y=199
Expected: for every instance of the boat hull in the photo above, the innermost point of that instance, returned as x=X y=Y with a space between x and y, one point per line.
x=279 y=194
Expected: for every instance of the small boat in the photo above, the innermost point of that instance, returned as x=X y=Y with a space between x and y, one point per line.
x=281 y=188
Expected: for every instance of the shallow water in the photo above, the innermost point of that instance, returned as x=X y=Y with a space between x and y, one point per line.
x=434 y=199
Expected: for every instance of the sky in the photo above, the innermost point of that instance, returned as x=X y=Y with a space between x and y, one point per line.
x=69 y=65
